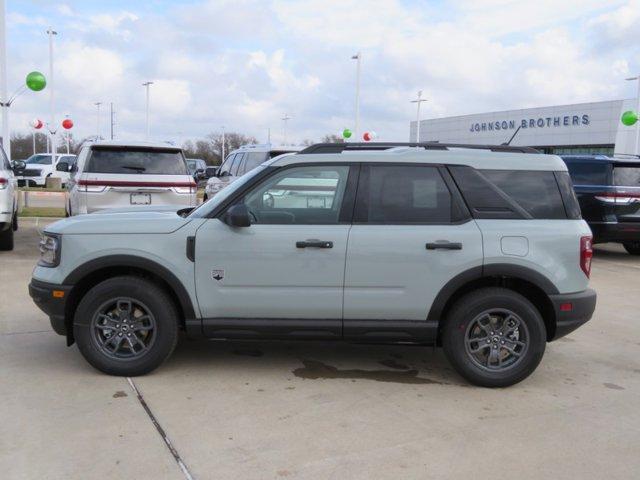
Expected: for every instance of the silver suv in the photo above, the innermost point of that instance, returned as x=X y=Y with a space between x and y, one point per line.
x=112 y=174
x=241 y=161
x=8 y=203
x=480 y=251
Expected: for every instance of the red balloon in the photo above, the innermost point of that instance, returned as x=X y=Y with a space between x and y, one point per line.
x=67 y=123
x=36 y=123
x=366 y=137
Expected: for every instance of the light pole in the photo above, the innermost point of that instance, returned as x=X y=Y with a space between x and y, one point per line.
x=418 y=101
x=146 y=85
x=97 y=104
x=6 y=141
x=285 y=119
x=52 y=103
x=358 y=58
x=637 y=144
x=223 y=139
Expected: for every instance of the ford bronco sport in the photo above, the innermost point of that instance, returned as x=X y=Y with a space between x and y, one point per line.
x=482 y=251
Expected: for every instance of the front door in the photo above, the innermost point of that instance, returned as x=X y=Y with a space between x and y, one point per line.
x=283 y=276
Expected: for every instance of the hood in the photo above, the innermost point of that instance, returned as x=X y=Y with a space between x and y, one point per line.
x=125 y=222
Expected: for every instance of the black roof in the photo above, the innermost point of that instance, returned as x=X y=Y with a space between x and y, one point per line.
x=620 y=159
x=373 y=146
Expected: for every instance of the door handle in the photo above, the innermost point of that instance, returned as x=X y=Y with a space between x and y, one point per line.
x=444 y=245
x=314 y=244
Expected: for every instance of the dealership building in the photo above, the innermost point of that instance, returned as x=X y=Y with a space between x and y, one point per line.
x=577 y=128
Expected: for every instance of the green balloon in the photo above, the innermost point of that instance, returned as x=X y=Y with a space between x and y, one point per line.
x=346 y=133
x=629 y=118
x=36 y=81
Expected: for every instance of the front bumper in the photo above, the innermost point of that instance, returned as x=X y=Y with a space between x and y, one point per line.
x=572 y=310
x=52 y=300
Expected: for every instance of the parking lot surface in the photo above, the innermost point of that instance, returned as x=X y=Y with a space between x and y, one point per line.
x=316 y=410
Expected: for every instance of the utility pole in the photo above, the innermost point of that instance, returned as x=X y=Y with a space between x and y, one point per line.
x=112 y=118
x=97 y=104
x=6 y=140
x=418 y=101
x=637 y=143
x=269 y=135
x=147 y=85
x=52 y=103
x=285 y=119
x=358 y=58
x=222 y=159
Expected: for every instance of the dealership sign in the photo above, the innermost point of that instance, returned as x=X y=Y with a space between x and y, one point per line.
x=540 y=122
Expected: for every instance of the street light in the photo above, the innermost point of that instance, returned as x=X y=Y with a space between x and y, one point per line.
x=147 y=85
x=285 y=119
x=418 y=101
x=358 y=58
x=52 y=103
x=223 y=139
x=97 y=104
x=637 y=145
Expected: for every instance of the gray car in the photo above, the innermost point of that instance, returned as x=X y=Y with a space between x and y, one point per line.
x=480 y=251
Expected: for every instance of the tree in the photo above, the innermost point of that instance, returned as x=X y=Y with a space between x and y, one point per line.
x=209 y=149
x=332 y=138
x=22 y=145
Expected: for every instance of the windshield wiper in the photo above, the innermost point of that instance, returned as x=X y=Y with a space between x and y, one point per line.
x=134 y=167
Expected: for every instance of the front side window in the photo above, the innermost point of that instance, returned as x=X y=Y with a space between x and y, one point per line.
x=404 y=194
x=299 y=195
x=226 y=166
x=130 y=160
x=254 y=159
x=626 y=176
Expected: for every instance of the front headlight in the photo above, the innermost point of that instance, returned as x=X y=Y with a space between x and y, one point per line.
x=49 y=250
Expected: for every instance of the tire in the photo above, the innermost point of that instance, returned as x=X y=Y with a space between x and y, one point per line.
x=205 y=198
x=6 y=238
x=99 y=324
x=14 y=224
x=482 y=323
x=633 y=248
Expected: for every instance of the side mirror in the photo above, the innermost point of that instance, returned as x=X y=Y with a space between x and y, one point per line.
x=223 y=174
x=238 y=216
x=62 y=167
x=210 y=172
x=19 y=164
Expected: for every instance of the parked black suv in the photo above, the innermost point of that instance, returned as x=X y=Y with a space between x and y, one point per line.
x=608 y=189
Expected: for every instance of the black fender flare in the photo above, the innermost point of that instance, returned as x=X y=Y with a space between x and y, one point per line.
x=492 y=270
x=132 y=261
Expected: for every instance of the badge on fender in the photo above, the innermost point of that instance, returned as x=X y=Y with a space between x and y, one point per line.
x=217 y=274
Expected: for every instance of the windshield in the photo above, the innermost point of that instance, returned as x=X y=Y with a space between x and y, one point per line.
x=203 y=210
x=626 y=176
x=130 y=160
x=38 y=160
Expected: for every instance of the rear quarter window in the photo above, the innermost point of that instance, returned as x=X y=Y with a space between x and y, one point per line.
x=588 y=173
x=626 y=176
x=535 y=191
x=137 y=161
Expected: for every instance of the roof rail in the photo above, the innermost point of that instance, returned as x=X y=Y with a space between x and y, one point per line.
x=375 y=146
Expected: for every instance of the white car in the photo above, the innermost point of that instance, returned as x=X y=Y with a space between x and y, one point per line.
x=241 y=161
x=8 y=203
x=113 y=174
x=34 y=171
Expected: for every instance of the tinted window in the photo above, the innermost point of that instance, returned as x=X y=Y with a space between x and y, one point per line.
x=5 y=161
x=39 y=160
x=236 y=163
x=588 y=173
x=300 y=195
x=535 y=191
x=226 y=166
x=626 y=176
x=403 y=194
x=254 y=159
x=571 y=205
x=137 y=161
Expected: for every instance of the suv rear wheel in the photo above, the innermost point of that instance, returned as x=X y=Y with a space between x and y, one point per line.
x=126 y=326
x=494 y=337
x=6 y=236
x=632 y=247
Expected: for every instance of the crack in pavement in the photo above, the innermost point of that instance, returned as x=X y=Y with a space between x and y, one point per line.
x=161 y=431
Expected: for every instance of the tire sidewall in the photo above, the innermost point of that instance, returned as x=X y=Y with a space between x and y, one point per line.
x=466 y=309
x=151 y=296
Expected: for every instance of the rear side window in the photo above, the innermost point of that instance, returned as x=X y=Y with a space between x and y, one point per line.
x=253 y=159
x=626 y=176
x=235 y=168
x=536 y=192
x=571 y=205
x=130 y=160
x=588 y=173
x=402 y=194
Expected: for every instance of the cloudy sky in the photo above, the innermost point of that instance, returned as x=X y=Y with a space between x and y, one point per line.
x=245 y=63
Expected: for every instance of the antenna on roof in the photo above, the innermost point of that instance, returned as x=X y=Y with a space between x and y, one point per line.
x=513 y=136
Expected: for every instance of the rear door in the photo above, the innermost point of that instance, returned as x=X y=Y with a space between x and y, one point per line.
x=411 y=235
x=131 y=176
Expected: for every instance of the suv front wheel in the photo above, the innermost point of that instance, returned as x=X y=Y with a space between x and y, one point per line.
x=494 y=337
x=126 y=326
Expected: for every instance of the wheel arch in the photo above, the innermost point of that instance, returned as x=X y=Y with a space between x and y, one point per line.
x=86 y=276
x=531 y=284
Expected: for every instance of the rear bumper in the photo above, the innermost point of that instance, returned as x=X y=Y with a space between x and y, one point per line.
x=615 y=232
x=582 y=306
x=53 y=304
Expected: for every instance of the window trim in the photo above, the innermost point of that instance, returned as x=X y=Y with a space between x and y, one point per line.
x=235 y=167
x=359 y=214
x=345 y=215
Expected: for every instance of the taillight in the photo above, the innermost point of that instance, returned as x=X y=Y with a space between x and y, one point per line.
x=3 y=183
x=586 y=254
x=618 y=198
